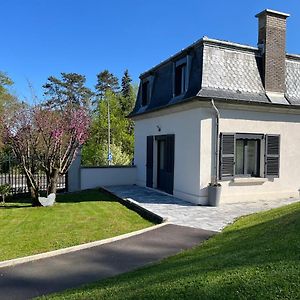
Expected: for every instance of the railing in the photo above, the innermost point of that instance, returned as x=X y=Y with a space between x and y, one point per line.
x=11 y=173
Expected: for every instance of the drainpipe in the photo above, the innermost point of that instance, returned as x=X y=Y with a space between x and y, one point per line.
x=216 y=175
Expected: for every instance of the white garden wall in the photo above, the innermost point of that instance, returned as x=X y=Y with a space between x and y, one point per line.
x=93 y=177
x=82 y=178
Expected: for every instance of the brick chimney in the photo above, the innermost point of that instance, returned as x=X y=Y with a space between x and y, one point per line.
x=272 y=43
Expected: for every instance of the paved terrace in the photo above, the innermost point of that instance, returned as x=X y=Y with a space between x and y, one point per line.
x=180 y=212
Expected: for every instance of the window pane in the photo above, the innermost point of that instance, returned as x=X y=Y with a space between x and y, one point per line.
x=145 y=93
x=252 y=158
x=239 y=168
x=183 y=71
x=180 y=79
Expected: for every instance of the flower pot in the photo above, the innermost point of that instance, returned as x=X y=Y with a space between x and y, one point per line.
x=214 y=194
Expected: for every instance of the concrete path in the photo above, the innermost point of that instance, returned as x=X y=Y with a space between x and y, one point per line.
x=58 y=273
x=183 y=213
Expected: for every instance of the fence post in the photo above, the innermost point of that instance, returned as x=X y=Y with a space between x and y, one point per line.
x=74 y=174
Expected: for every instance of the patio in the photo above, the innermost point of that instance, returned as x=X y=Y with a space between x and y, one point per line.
x=183 y=213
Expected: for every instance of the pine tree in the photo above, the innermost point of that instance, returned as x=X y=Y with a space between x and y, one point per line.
x=127 y=94
x=106 y=81
x=70 y=89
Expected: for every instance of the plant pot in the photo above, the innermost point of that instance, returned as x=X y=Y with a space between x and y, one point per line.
x=214 y=194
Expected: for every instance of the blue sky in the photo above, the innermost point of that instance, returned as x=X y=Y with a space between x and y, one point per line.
x=42 y=37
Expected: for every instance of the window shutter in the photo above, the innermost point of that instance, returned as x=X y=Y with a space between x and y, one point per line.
x=227 y=155
x=173 y=79
x=188 y=71
x=272 y=155
x=151 y=81
x=149 y=162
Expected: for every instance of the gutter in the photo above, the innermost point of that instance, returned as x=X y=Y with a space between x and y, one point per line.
x=217 y=133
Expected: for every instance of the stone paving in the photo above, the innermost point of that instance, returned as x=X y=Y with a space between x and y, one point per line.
x=180 y=212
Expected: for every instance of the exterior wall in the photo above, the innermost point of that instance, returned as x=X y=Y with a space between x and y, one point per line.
x=93 y=177
x=186 y=127
x=194 y=152
x=288 y=183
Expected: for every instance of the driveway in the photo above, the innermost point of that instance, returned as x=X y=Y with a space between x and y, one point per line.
x=180 y=212
x=70 y=270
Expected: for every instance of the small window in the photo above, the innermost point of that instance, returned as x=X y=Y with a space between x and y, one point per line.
x=145 y=93
x=180 y=79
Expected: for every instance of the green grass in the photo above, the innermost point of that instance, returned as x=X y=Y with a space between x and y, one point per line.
x=258 y=257
x=75 y=219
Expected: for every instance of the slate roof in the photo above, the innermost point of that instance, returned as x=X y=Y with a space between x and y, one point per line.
x=220 y=70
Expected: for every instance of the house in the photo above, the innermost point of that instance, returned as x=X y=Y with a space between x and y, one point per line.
x=222 y=111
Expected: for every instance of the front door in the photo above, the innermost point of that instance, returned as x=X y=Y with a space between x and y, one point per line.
x=165 y=162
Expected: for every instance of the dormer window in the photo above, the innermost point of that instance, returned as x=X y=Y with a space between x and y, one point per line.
x=180 y=79
x=145 y=93
x=181 y=76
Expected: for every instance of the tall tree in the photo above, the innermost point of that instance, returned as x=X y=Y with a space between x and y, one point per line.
x=106 y=81
x=7 y=100
x=127 y=92
x=70 y=89
x=5 y=82
x=96 y=149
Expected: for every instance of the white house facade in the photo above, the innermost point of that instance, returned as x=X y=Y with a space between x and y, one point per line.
x=222 y=112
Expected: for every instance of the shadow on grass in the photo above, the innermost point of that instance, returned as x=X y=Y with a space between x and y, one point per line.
x=85 y=196
x=24 y=201
x=9 y=206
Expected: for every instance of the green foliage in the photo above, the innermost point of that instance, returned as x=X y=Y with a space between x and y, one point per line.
x=120 y=104
x=96 y=155
x=7 y=100
x=4 y=191
x=70 y=89
x=128 y=96
x=5 y=82
x=255 y=258
x=106 y=81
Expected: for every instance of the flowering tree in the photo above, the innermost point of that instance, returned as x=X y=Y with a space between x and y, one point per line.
x=46 y=139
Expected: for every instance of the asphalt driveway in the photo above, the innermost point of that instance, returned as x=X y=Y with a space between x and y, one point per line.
x=70 y=270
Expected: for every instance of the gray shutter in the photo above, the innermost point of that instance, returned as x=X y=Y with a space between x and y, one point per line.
x=188 y=71
x=173 y=79
x=149 y=162
x=272 y=155
x=151 y=80
x=227 y=155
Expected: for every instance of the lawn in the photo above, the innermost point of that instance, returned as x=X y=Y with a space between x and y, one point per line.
x=75 y=219
x=258 y=257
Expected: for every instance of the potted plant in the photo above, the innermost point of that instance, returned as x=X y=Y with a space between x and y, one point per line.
x=214 y=193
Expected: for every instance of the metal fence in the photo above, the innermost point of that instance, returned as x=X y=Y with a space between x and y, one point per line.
x=11 y=173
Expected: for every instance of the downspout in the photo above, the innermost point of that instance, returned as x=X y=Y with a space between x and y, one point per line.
x=216 y=175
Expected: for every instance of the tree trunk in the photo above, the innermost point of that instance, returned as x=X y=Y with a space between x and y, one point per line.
x=52 y=184
x=34 y=193
x=35 y=196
